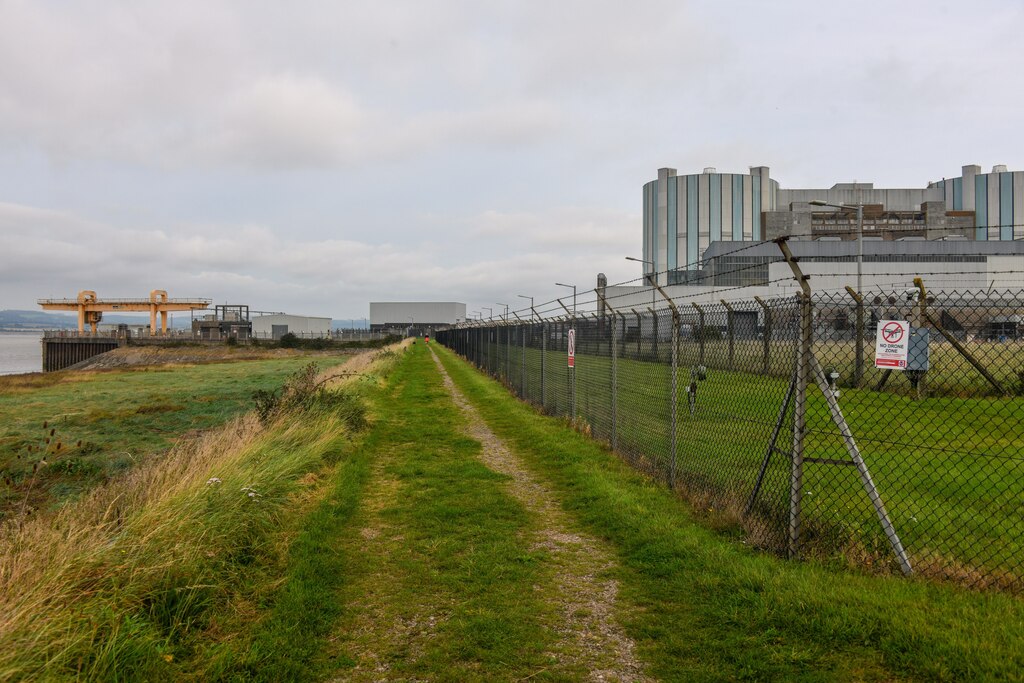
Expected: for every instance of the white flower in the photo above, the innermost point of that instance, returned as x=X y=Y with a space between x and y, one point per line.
x=213 y=481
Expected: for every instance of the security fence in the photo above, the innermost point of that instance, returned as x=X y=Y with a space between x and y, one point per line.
x=773 y=414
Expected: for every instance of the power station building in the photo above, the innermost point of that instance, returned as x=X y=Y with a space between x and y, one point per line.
x=684 y=215
x=414 y=317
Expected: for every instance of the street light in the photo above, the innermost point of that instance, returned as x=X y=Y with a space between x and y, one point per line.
x=860 y=233
x=523 y=296
x=649 y=276
x=573 y=297
x=506 y=310
x=490 y=312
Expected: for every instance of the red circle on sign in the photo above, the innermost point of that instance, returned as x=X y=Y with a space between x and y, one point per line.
x=892 y=332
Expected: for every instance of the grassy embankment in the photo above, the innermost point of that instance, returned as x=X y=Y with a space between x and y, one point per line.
x=106 y=422
x=131 y=580
x=948 y=468
x=712 y=609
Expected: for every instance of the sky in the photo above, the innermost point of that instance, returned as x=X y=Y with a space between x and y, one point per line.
x=311 y=157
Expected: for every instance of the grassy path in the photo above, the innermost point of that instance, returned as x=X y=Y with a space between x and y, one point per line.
x=584 y=592
x=440 y=583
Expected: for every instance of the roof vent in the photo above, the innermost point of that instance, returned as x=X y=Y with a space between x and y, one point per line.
x=710 y=169
x=999 y=168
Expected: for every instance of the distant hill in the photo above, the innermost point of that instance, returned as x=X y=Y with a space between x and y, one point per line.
x=39 y=320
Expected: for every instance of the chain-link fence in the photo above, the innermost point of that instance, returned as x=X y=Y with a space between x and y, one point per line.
x=774 y=415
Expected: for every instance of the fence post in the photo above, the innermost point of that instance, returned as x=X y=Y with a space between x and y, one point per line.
x=508 y=353
x=674 y=390
x=700 y=333
x=803 y=371
x=543 y=363
x=800 y=422
x=523 y=373
x=766 y=335
x=858 y=362
x=613 y=349
x=731 y=331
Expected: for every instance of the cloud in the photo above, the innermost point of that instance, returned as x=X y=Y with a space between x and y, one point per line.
x=52 y=253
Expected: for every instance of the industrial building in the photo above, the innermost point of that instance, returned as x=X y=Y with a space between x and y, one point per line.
x=684 y=215
x=276 y=325
x=414 y=317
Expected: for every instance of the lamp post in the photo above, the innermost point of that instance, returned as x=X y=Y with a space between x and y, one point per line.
x=506 y=310
x=858 y=371
x=490 y=312
x=860 y=233
x=573 y=298
x=523 y=296
x=649 y=276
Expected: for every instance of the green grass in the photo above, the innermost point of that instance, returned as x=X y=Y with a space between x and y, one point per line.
x=712 y=609
x=450 y=553
x=109 y=421
x=949 y=469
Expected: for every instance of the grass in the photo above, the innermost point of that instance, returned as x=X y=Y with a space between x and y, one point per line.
x=428 y=577
x=109 y=421
x=949 y=469
x=135 y=579
x=712 y=609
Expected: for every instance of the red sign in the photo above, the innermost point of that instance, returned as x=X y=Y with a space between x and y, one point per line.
x=572 y=348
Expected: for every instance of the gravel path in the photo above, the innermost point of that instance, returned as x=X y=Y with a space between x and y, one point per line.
x=590 y=636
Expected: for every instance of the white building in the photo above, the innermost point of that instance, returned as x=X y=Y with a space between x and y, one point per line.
x=278 y=324
x=415 y=315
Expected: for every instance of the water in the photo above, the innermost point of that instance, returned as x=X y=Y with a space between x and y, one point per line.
x=20 y=352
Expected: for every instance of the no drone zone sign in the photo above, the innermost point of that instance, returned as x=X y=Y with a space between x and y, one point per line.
x=891 y=343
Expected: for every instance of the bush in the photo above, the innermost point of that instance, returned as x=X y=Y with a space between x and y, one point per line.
x=288 y=341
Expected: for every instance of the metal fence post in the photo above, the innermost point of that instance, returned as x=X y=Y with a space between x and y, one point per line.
x=858 y=350
x=674 y=395
x=729 y=321
x=700 y=333
x=543 y=363
x=522 y=331
x=766 y=336
x=803 y=368
x=615 y=382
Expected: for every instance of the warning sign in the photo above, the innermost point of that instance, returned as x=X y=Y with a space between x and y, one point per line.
x=572 y=348
x=891 y=343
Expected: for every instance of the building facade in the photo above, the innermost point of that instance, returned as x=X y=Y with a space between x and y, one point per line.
x=415 y=316
x=683 y=215
x=276 y=325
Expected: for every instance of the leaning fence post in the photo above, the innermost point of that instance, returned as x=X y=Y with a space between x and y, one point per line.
x=858 y=362
x=803 y=368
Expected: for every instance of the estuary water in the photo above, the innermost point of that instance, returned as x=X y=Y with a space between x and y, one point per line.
x=20 y=352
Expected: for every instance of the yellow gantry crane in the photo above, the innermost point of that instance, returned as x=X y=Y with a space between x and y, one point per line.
x=90 y=309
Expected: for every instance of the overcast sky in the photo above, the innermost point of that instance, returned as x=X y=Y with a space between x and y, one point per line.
x=314 y=156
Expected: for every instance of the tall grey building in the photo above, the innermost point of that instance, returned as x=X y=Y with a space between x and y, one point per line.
x=683 y=215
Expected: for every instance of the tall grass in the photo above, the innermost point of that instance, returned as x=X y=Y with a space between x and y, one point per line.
x=117 y=583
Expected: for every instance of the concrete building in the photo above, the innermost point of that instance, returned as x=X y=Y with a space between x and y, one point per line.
x=684 y=215
x=414 y=317
x=276 y=325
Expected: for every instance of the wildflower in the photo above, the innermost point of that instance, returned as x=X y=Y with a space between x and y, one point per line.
x=213 y=481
